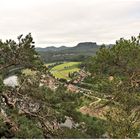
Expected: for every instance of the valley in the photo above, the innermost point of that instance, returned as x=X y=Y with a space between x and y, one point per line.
x=64 y=70
x=90 y=100
x=70 y=69
x=70 y=99
x=77 y=53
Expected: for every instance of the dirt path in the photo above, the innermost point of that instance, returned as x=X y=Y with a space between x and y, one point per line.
x=88 y=109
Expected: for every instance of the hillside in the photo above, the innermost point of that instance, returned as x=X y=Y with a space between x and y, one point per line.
x=63 y=53
x=68 y=100
x=51 y=48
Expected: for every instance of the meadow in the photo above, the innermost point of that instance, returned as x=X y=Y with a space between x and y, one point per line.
x=63 y=70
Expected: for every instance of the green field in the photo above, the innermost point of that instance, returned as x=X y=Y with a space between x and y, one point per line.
x=63 y=70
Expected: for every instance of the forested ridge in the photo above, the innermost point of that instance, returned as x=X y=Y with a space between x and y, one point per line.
x=106 y=104
x=77 y=53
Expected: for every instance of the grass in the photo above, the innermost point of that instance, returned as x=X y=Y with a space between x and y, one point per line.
x=28 y=72
x=63 y=70
x=86 y=101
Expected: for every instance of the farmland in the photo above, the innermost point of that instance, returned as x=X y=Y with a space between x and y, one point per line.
x=63 y=70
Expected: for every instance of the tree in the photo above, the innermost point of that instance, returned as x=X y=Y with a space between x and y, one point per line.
x=115 y=71
x=20 y=54
x=24 y=106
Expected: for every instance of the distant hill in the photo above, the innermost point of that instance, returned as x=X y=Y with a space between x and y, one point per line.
x=51 y=48
x=86 y=45
x=63 y=53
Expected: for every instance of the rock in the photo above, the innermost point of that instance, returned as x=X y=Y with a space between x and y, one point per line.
x=111 y=78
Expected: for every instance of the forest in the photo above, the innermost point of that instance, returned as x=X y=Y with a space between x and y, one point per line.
x=99 y=97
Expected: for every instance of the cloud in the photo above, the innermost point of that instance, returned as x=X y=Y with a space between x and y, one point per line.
x=67 y=22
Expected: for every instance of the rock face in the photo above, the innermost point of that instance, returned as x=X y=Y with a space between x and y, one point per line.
x=68 y=123
x=86 y=45
x=11 y=81
x=30 y=107
x=23 y=103
x=50 y=82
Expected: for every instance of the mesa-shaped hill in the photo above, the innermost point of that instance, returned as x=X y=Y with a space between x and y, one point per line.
x=63 y=53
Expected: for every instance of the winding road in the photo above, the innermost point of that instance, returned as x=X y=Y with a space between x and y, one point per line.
x=88 y=94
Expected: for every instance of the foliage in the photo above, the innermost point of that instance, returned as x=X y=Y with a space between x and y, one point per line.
x=115 y=71
x=30 y=110
x=73 y=133
x=78 y=53
x=24 y=99
x=33 y=111
x=28 y=128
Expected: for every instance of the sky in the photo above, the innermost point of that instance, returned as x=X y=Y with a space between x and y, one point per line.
x=68 y=22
